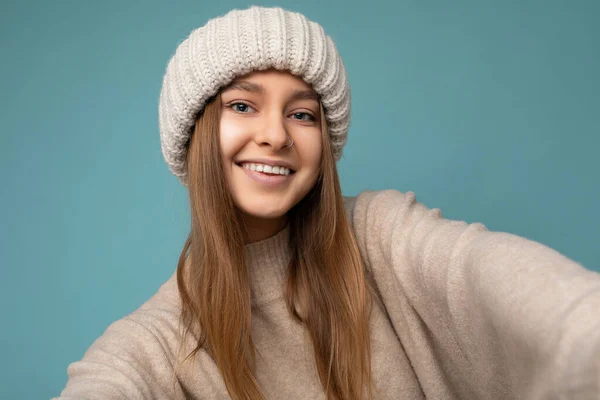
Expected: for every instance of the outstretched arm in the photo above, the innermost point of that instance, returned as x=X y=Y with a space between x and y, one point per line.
x=492 y=314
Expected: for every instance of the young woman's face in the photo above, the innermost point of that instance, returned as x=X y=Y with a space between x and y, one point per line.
x=262 y=112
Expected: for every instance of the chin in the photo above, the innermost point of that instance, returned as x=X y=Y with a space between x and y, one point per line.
x=264 y=213
x=267 y=217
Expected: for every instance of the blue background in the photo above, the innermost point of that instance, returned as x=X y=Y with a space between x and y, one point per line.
x=487 y=110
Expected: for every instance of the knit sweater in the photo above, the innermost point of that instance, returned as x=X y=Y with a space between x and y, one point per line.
x=463 y=313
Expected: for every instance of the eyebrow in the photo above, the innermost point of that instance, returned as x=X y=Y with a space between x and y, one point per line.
x=298 y=94
x=245 y=86
x=305 y=95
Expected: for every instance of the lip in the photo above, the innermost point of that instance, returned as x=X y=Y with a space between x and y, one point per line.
x=266 y=161
x=268 y=180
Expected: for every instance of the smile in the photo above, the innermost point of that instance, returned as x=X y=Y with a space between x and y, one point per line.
x=267 y=169
x=266 y=178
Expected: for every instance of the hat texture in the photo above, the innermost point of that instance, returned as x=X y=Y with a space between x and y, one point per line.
x=236 y=44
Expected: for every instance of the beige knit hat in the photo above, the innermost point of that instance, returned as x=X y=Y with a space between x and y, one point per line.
x=235 y=44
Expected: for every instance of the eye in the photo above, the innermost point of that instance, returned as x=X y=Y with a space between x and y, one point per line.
x=302 y=116
x=241 y=107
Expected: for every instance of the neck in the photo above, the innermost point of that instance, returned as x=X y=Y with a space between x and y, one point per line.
x=259 y=228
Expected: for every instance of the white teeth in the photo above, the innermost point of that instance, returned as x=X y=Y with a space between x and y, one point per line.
x=276 y=170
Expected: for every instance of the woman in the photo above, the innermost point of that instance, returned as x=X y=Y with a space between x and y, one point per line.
x=285 y=289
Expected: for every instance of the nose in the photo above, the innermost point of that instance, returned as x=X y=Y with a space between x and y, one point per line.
x=273 y=132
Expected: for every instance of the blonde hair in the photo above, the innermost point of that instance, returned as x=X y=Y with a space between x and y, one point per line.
x=326 y=288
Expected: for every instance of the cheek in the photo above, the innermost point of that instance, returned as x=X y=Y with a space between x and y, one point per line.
x=230 y=138
x=310 y=150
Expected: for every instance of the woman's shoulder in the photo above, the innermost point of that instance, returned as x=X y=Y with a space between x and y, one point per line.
x=379 y=197
x=134 y=356
x=163 y=306
x=153 y=325
x=374 y=203
x=153 y=321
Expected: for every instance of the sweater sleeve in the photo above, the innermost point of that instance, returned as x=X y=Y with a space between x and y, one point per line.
x=131 y=360
x=486 y=315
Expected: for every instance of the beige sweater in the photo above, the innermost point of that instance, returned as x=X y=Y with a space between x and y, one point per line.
x=466 y=314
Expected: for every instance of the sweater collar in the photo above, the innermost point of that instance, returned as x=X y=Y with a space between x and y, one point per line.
x=267 y=261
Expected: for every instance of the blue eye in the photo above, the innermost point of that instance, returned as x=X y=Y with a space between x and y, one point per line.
x=241 y=107
x=302 y=116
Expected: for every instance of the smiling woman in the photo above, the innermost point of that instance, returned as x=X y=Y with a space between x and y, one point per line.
x=286 y=289
x=262 y=114
x=270 y=120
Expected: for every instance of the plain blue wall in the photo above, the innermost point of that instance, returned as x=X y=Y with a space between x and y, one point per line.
x=487 y=110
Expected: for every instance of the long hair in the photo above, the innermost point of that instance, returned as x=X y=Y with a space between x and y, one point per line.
x=326 y=288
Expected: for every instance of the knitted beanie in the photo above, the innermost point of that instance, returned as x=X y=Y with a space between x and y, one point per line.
x=236 y=44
